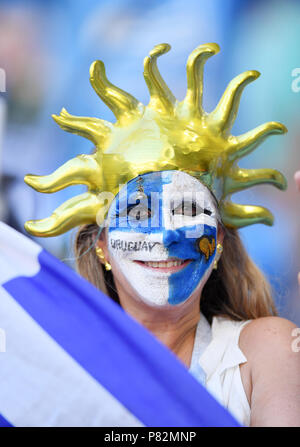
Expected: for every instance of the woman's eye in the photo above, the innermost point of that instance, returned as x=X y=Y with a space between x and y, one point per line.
x=187 y=209
x=138 y=212
x=190 y=209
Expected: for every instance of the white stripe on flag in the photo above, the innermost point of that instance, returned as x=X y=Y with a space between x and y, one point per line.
x=41 y=385
x=19 y=254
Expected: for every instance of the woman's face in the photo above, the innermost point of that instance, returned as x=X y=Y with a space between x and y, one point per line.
x=162 y=237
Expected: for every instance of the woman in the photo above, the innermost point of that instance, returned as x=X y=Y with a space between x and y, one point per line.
x=168 y=250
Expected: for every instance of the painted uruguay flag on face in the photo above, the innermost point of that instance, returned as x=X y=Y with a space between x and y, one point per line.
x=72 y=357
x=162 y=232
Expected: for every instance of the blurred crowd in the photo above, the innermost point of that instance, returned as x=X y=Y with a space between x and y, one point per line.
x=46 y=48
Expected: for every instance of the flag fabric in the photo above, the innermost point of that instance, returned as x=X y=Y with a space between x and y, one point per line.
x=73 y=357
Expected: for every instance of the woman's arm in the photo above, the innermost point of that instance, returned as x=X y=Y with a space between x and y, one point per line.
x=275 y=372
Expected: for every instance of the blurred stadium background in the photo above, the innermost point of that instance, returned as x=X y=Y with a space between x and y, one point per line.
x=47 y=46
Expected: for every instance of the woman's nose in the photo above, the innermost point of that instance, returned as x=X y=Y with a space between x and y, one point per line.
x=171 y=236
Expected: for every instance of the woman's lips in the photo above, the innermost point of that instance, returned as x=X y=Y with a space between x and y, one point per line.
x=168 y=265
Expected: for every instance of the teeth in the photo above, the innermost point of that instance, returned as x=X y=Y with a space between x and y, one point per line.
x=162 y=264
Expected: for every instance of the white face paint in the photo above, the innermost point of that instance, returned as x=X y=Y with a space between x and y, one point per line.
x=154 y=243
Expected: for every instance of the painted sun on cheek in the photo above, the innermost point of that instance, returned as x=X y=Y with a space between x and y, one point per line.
x=207 y=246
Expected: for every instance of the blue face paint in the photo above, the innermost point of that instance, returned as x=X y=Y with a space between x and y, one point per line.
x=123 y=213
x=149 y=235
x=183 y=283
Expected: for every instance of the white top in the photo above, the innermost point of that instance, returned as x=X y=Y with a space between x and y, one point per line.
x=215 y=363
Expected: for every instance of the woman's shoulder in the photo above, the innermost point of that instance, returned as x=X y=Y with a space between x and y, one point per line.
x=268 y=340
x=263 y=331
x=273 y=365
x=264 y=338
x=259 y=343
x=267 y=333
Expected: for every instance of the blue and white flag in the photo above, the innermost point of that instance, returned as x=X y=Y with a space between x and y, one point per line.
x=72 y=357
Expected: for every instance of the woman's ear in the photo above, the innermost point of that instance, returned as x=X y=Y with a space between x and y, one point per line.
x=102 y=243
x=219 y=247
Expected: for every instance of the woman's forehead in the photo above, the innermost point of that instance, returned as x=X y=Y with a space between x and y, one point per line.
x=163 y=192
x=160 y=181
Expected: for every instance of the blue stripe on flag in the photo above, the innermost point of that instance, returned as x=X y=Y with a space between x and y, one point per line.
x=4 y=422
x=115 y=349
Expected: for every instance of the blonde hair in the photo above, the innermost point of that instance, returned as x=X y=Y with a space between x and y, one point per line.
x=237 y=289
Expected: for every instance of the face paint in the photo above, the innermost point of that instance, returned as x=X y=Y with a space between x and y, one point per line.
x=162 y=231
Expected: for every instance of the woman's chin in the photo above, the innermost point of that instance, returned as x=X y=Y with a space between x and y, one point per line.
x=158 y=304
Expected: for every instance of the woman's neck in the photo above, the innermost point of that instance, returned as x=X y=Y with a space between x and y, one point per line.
x=174 y=326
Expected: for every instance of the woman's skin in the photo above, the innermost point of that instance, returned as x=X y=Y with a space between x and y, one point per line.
x=271 y=375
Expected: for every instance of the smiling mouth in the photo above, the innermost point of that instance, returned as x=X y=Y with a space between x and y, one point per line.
x=169 y=265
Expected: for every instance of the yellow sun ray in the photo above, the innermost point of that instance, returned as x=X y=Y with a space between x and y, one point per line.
x=94 y=129
x=225 y=113
x=235 y=215
x=192 y=103
x=81 y=170
x=161 y=98
x=249 y=141
x=246 y=178
x=78 y=210
x=121 y=103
